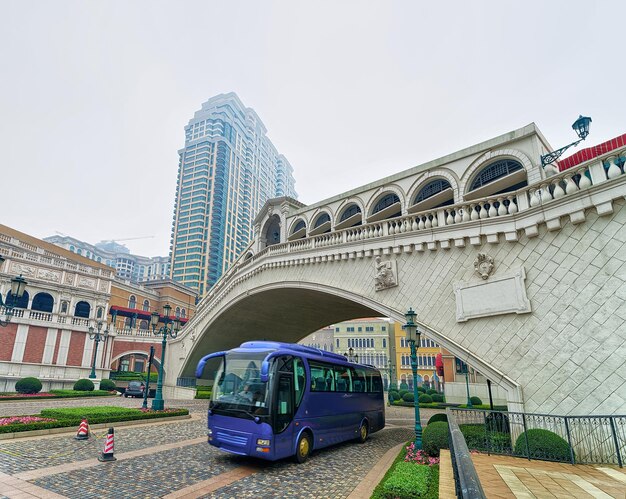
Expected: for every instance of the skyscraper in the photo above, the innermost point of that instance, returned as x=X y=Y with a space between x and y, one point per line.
x=226 y=171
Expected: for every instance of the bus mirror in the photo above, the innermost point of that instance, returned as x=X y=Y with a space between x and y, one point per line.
x=257 y=419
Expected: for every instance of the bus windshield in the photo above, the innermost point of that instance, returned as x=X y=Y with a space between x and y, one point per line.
x=238 y=389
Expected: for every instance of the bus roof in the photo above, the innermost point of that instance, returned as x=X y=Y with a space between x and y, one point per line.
x=310 y=352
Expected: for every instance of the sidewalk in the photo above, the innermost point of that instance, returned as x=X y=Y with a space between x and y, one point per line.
x=511 y=477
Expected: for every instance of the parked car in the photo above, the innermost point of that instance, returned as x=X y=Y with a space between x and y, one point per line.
x=135 y=389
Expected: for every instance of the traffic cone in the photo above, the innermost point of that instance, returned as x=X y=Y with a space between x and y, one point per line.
x=83 y=430
x=107 y=453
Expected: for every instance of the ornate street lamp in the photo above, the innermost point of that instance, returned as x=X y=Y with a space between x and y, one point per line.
x=581 y=126
x=98 y=336
x=351 y=356
x=170 y=328
x=413 y=337
x=469 y=399
x=391 y=385
x=18 y=286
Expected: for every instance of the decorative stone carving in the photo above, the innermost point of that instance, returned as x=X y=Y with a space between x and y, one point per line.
x=69 y=279
x=504 y=294
x=483 y=265
x=20 y=268
x=104 y=286
x=49 y=275
x=86 y=282
x=386 y=274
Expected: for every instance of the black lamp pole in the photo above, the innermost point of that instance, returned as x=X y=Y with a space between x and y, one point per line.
x=581 y=126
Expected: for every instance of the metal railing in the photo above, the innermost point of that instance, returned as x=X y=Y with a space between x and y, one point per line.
x=186 y=382
x=466 y=482
x=573 y=439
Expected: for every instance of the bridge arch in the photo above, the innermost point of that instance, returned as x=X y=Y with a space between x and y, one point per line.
x=306 y=307
x=156 y=359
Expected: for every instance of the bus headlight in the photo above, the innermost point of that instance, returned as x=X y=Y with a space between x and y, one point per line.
x=261 y=441
x=209 y=432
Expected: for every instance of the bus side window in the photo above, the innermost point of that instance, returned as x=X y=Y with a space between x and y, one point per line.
x=299 y=379
x=377 y=383
x=318 y=381
x=359 y=380
x=344 y=381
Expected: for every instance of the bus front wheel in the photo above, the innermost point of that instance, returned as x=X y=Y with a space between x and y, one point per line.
x=364 y=432
x=303 y=449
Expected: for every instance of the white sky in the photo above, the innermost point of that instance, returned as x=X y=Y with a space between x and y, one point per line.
x=94 y=95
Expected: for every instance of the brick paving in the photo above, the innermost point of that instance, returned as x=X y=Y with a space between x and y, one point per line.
x=172 y=459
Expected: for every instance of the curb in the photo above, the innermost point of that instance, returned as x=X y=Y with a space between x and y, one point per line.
x=97 y=426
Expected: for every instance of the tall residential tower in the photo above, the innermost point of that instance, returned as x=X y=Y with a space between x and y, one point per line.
x=226 y=171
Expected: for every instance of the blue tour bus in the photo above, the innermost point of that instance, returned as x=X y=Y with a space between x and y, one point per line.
x=273 y=400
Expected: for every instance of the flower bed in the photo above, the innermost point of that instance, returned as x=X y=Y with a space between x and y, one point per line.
x=413 y=474
x=72 y=416
x=56 y=394
x=22 y=420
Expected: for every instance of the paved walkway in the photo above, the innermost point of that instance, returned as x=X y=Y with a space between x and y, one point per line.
x=511 y=477
x=173 y=460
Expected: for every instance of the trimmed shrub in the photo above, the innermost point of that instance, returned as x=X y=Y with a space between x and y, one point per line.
x=84 y=385
x=437 y=397
x=394 y=394
x=543 y=444
x=407 y=481
x=404 y=386
x=431 y=391
x=28 y=385
x=425 y=399
x=440 y=416
x=88 y=412
x=202 y=395
x=434 y=438
x=107 y=385
x=476 y=401
x=408 y=397
x=491 y=441
x=421 y=389
x=402 y=392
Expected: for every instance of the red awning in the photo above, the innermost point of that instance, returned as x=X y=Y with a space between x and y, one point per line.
x=592 y=152
x=439 y=360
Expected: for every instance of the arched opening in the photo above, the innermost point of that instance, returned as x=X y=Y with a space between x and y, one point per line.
x=434 y=194
x=321 y=224
x=351 y=216
x=82 y=309
x=21 y=303
x=146 y=305
x=272 y=231
x=65 y=306
x=43 y=302
x=99 y=313
x=504 y=175
x=387 y=206
x=132 y=301
x=248 y=255
x=298 y=231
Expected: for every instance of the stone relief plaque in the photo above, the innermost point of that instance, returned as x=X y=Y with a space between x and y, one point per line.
x=69 y=279
x=386 y=274
x=104 y=286
x=504 y=294
x=86 y=282
x=20 y=268
x=49 y=275
x=483 y=265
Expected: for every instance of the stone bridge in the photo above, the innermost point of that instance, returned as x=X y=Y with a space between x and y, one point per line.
x=515 y=270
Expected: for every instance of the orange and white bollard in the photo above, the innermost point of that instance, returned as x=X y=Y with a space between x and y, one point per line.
x=83 y=431
x=107 y=453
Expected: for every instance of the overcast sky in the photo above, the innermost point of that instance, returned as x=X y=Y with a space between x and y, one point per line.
x=94 y=95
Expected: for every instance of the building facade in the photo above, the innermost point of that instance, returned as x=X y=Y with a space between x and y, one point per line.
x=322 y=339
x=66 y=295
x=426 y=362
x=227 y=170
x=127 y=266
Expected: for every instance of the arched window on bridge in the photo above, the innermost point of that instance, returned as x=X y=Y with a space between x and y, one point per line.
x=321 y=224
x=504 y=175
x=271 y=234
x=351 y=216
x=298 y=231
x=43 y=302
x=434 y=194
x=388 y=206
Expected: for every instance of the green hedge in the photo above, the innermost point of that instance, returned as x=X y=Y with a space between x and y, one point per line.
x=87 y=412
x=440 y=416
x=408 y=397
x=425 y=399
x=203 y=395
x=477 y=438
x=438 y=397
x=28 y=385
x=433 y=486
x=407 y=480
x=543 y=444
x=435 y=437
x=84 y=385
x=65 y=423
x=57 y=394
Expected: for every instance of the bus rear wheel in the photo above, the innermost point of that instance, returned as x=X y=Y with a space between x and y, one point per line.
x=303 y=449
x=364 y=432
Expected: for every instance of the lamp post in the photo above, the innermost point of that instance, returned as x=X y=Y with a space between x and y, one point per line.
x=170 y=328
x=351 y=356
x=413 y=336
x=469 y=399
x=145 y=394
x=391 y=383
x=98 y=336
x=581 y=126
x=18 y=286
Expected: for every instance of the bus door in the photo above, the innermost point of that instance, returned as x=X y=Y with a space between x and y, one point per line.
x=283 y=415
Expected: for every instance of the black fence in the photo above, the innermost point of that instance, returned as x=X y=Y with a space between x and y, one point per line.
x=572 y=439
x=466 y=482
